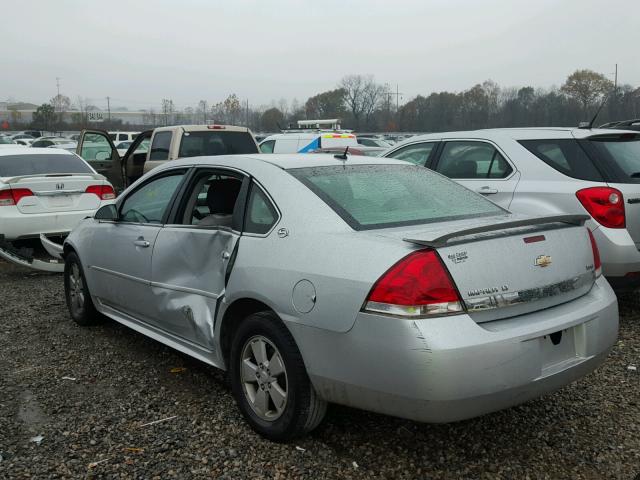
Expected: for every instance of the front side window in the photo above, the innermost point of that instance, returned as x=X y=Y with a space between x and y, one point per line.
x=160 y=146
x=564 y=155
x=472 y=160
x=417 y=154
x=261 y=215
x=149 y=203
x=381 y=196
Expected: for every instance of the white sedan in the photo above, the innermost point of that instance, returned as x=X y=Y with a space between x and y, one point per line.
x=45 y=193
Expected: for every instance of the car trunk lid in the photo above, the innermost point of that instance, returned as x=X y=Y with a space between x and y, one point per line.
x=512 y=265
x=57 y=193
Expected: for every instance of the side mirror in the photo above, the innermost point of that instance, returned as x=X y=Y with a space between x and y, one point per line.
x=107 y=212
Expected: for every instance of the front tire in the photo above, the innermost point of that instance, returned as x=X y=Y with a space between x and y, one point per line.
x=270 y=382
x=77 y=294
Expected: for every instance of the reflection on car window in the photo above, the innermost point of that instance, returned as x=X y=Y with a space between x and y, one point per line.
x=379 y=196
x=472 y=160
x=95 y=147
x=417 y=153
x=149 y=203
x=261 y=214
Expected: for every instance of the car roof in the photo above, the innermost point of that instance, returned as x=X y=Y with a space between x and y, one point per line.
x=201 y=128
x=18 y=150
x=288 y=160
x=531 y=133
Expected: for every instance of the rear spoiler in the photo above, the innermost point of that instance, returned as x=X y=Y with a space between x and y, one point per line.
x=18 y=179
x=442 y=240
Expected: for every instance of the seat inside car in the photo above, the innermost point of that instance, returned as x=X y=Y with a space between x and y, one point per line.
x=221 y=199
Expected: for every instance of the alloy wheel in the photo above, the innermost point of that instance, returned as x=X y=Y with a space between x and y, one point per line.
x=264 y=378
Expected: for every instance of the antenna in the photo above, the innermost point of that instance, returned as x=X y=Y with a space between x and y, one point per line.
x=589 y=126
x=342 y=156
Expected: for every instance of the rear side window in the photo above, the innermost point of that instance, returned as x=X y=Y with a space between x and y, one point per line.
x=18 y=165
x=261 y=214
x=267 y=147
x=566 y=156
x=472 y=160
x=380 y=196
x=622 y=152
x=160 y=146
x=214 y=142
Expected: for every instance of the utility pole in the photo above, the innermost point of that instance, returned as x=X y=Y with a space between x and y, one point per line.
x=109 y=110
x=247 y=113
x=398 y=94
x=58 y=96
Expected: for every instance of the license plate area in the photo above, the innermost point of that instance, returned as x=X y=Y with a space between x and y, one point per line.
x=558 y=351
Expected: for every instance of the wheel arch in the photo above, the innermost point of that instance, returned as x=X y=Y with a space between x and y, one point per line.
x=237 y=311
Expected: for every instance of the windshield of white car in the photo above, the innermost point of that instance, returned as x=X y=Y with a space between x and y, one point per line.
x=216 y=142
x=6 y=140
x=383 y=196
x=19 y=165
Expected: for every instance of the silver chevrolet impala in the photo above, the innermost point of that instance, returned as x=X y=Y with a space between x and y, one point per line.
x=367 y=282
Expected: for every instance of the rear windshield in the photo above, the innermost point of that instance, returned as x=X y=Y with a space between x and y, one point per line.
x=566 y=156
x=216 y=143
x=380 y=196
x=18 y=165
x=622 y=152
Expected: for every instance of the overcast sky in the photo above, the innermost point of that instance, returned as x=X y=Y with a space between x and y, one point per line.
x=138 y=52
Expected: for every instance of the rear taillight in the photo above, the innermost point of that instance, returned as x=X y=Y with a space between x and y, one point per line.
x=604 y=204
x=419 y=285
x=12 y=196
x=104 y=192
x=216 y=127
x=597 y=264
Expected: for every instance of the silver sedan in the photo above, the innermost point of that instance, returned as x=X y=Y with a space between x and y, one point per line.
x=367 y=282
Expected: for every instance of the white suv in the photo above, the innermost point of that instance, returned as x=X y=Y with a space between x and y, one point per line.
x=541 y=171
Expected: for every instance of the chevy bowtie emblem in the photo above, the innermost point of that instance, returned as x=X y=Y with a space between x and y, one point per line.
x=543 y=261
x=59 y=186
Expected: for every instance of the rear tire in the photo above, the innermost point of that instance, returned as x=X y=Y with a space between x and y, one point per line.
x=270 y=382
x=76 y=292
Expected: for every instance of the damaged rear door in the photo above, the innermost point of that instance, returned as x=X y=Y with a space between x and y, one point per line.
x=194 y=255
x=96 y=147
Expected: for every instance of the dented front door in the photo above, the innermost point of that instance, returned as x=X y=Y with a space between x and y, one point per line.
x=188 y=278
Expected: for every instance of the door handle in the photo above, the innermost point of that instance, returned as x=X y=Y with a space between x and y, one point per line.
x=141 y=242
x=487 y=190
x=226 y=255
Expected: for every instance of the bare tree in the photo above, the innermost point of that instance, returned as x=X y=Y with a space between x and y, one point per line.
x=168 y=110
x=362 y=96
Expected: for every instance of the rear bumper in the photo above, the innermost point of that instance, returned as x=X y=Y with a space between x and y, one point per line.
x=15 y=225
x=451 y=368
x=620 y=256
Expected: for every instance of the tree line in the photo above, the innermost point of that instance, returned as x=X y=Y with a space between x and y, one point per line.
x=363 y=104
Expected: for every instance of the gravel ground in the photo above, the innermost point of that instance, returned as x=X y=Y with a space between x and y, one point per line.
x=93 y=393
